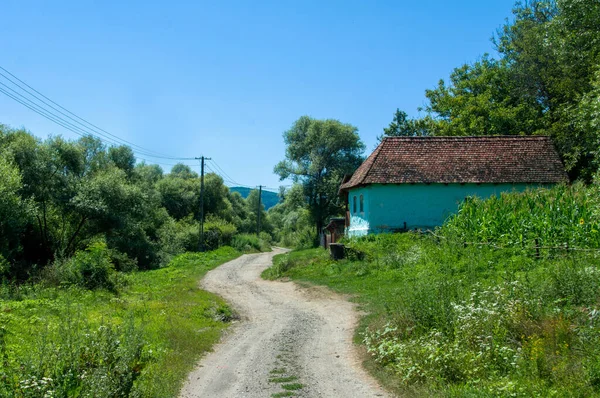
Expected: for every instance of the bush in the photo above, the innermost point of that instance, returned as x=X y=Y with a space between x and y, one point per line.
x=90 y=269
x=4 y=267
x=122 y=262
x=225 y=231
x=249 y=243
x=181 y=236
x=102 y=361
x=304 y=238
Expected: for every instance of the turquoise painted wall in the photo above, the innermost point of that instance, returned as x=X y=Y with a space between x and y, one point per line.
x=359 y=221
x=388 y=206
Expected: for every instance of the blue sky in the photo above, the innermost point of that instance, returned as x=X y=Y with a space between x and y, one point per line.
x=225 y=79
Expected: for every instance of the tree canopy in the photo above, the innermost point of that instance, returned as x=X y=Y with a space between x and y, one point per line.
x=543 y=83
x=318 y=154
x=58 y=197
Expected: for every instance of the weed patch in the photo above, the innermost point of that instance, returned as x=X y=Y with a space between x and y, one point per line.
x=445 y=319
x=285 y=379
x=282 y=394
x=292 y=386
x=142 y=342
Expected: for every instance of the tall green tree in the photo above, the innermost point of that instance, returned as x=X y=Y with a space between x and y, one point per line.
x=549 y=57
x=250 y=223
x=318 y=154
x=479 y=100
x=291 y=219
x=216 y=197
x=13 y=212
x=72 y=193
x=403 y=126
x=586 y=119
x=179 y=195
x=553 y=49
x=123 y=158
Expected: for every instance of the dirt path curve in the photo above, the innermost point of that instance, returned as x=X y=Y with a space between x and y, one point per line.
x=298 y=335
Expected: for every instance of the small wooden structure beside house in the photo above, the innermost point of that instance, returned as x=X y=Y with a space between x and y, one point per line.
x=417 y=182
x=333 y=231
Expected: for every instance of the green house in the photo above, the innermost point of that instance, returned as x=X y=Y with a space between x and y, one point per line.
x=417 y=182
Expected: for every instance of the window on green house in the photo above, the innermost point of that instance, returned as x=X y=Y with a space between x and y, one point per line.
x=362 y=204
x=354 y=205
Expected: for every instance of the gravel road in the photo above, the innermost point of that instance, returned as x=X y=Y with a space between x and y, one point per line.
x=291 y=339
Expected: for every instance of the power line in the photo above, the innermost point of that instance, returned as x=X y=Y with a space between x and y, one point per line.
x=228 y=178
x=222 y=171
x=63 y=123
x=57 y=120
x=225 y=179
x=44 y=106
x=77 y=119
x=71 y=113
x=43 y=112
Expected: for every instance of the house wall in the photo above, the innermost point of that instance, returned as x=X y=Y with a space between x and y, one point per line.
x=359 y=221
x=389 y=206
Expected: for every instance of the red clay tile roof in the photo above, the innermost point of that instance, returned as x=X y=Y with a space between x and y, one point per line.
x=490 y=159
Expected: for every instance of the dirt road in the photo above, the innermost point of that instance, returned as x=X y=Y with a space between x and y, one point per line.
x=291 y=339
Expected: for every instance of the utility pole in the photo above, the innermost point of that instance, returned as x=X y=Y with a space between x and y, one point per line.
x=258 y=218
x=201 y=237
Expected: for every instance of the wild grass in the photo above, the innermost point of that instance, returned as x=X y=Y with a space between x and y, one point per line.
x=252 y=243
x=449 y=319
x=139 y=342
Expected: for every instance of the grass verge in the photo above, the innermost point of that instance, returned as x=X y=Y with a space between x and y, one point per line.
x=141 y=342
x=456 y=321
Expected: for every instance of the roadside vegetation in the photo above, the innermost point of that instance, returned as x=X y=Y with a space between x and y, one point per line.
x=139 y=338
x=58 y=197
x=503 y=299
x=98 y=279
x=543 y=80
x=99 y=268
x=474 y=308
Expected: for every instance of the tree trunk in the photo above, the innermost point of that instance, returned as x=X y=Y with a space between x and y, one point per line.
x=72 y=240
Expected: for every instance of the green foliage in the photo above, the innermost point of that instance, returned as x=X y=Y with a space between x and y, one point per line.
x=218 y=232
x=479 y=100
x=544 y=82
x=179 y=195
x=249 y=224
x=216 y=197
x=142 y=343
x=57 y=197
x=403 y=126
x=75 y=359
x=268 y=198
x=251 y=243
x=559 y=216
x=13 y=213
x=586 y=135
x=318 y=154
x=292 y=221
x=474 y=320
x=284 y=262
x=89 y=269
x=179 y=236
x=123 y=158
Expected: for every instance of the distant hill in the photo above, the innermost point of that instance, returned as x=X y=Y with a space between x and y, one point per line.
x=269 y=199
